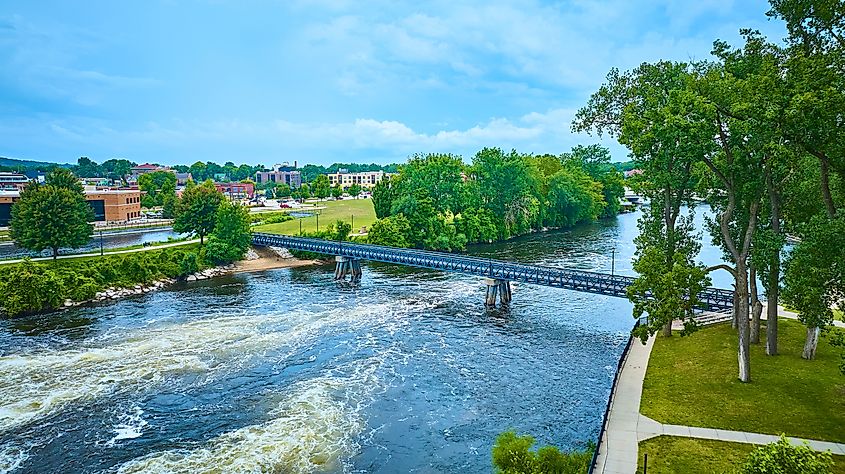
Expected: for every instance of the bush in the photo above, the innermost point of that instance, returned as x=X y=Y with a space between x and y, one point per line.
x=512 y=455
x=784 y=458
x=30 y=288
x=190 y=264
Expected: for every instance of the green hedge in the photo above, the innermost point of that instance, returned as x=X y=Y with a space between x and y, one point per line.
x=31 y=287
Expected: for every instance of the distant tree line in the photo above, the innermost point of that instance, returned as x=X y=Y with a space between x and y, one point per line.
x=438 y=202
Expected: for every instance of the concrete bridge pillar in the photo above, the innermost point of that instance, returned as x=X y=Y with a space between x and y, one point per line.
x=500 y=288
x=347 y=266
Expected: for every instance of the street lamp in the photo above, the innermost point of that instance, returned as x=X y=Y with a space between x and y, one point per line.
x=613 y=262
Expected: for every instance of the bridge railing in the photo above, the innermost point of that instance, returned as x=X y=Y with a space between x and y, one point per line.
x=580 y=280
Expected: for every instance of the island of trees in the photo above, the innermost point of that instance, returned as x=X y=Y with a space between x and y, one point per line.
x=438 y=202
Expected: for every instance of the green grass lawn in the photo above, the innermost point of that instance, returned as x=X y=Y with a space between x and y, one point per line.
x=361 y=209
x=693 y=381
x=670 y=454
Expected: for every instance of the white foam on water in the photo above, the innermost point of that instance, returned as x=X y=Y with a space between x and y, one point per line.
x=40 y=384
x=314 y=428
x=11 y=458
x=131 y=427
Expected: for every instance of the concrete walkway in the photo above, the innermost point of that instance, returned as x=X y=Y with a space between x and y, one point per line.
x=648 y=428
x=618 y=450
x=626 y=427
x=97 y=254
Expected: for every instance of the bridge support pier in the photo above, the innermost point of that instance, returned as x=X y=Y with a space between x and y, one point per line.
x=347 y=266
x=500 y=288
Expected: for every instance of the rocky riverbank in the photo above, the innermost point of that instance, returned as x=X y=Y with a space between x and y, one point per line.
x=257 y=259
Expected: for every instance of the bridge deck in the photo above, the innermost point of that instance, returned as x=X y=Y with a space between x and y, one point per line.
x=578 y=280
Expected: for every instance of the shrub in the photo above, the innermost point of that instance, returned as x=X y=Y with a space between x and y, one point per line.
x=190 y=264
x=29 y=288
x=512 y=455
x=783 y=457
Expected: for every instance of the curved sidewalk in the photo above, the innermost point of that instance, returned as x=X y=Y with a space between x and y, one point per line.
x=626 y=427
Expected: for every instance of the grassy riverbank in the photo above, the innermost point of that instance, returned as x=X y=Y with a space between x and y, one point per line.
x=693 y=381
x=30 y=287
x=362 y=210
x=671 y=454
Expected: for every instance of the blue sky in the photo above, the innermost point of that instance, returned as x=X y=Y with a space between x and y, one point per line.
x=324 y=81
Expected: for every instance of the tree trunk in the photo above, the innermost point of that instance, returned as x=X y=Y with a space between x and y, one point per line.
x=756 y=307
x=811 y=343
x=734 y=315
x=667 y=329
x=55 y=253
x=773 y=285
x=201 y=239
x=744 y=355
x=825 y=182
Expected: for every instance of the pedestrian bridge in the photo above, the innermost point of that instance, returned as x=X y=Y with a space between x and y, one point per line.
x=499 y=273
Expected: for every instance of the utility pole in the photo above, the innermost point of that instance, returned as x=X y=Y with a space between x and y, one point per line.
x=613 y=262
x=317 y=213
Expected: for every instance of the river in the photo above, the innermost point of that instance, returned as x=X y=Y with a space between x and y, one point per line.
x=287 y=371
x=110 y=241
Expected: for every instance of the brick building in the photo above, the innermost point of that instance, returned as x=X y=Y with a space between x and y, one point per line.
x=109 y=205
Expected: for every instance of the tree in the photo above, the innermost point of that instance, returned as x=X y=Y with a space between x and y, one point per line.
x=231 y=236
x=439 y=176
x=507 y=185
x=117 y=169
x=341 y=230
x=321 y=186
x=153 y=183
x=65 y=179
x=336 y=191
x=305 y=191
x=283 y=190
x=354 y=190
x=87 y=168
x=815 y=276
x=168 y=199
x=393 y=231
x=637 y=108
x=51 y=216
x=384 y=193
x=573 y=198
x=196 y=211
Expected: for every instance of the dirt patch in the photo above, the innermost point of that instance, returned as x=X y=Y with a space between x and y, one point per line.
x=269 y=260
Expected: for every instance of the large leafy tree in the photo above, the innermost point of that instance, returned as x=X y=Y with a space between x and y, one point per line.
x=231 y=236
x=156 y=185
x=52 y=216
x=321 y=186
x=196 y=211
x=117 y=168
x=640 y=109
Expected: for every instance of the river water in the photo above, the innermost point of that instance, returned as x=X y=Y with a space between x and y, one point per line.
x=110 y=241
x=287 y=371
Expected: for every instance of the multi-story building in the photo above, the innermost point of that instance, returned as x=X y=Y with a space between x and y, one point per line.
x=12 y=181
x=109 y=205
x=280 y=174
x=365 y=179
x=146 y=168
x=236 y=190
